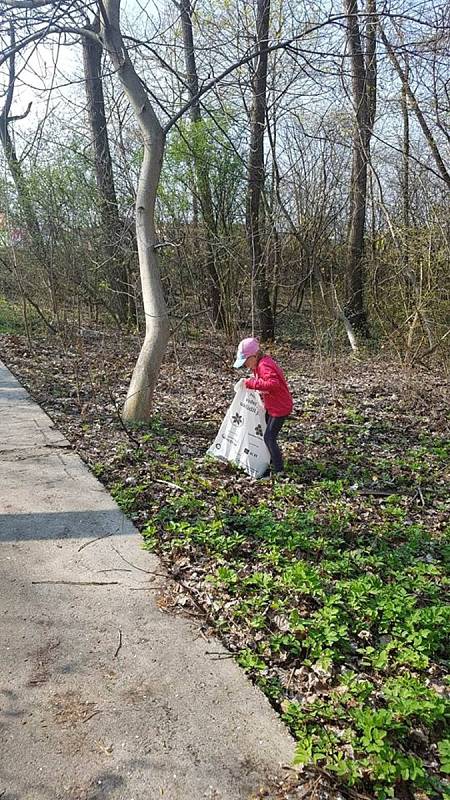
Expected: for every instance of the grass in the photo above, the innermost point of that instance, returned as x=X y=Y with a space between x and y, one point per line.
x=11 y=317
x=12 y=320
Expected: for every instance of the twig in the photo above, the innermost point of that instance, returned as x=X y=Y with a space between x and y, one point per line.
x=121 y=422
x=203 y=613
x=81 y=583
x=117 y=569
x=200 y=633
x=378 y=492
x=144 y=588
x=219 y=656
x=98 y=539
x=130 y=563
x=169 y=483
x=167 y=244
x=420 y=495
x=119 y=645
x=291 y=675
x=99 y=711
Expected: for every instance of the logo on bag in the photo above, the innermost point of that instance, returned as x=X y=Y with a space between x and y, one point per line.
x=259 y=430
x=237 y=419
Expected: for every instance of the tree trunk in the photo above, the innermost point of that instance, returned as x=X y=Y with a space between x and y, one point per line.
x=31 y=221
x=111 y=226
x=201 y=167
x=256 y=179
x=364 y=103
x=140 y=393
x=405 y=174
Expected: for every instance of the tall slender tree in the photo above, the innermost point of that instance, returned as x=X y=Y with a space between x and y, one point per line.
x=30 y=217
x=201 y=169
x=364 y=83
x=254 y=216
x=145 y=374
x=112 y=229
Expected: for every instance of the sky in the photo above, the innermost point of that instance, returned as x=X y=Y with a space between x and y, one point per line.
x=49 y=65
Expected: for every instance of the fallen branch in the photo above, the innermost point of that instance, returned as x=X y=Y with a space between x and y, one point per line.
x=140 y=569
x=80 y=583
x=98 y=539
x=379 y=492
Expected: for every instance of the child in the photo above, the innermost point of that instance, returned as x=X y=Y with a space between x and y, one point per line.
x=277 y=399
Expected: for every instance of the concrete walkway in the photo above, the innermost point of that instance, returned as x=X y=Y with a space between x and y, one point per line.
x=102 y=695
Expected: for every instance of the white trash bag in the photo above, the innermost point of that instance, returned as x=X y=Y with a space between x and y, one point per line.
x=241 y=435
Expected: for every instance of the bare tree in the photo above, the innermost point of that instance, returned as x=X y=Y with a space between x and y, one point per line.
x=15 y=167
x=363 y=63
x=256 y=176
x=201 y=165
x=145 y=374
x=113 y=232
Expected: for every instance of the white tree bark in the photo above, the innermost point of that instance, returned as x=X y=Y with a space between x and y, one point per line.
x=145 y=375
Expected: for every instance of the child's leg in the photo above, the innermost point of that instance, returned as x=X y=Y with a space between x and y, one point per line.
x=274 y=425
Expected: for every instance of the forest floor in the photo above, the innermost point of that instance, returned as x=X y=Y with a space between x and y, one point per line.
x=330 y=587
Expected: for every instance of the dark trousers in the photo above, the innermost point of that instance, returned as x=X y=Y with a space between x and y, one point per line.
x=274 y=425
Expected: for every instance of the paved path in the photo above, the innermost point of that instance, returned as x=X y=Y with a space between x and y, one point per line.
x=81 y=718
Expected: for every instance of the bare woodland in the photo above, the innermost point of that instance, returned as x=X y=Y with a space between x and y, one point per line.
x=269 y=166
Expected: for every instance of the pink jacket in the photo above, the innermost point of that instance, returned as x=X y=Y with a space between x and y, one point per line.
x=270 y=381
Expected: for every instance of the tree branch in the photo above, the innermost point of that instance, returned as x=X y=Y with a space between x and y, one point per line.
x=21 y=116
x=256 y=53
x=12 y=75
x=41 y=34
x=444 y=174
x=29 y=4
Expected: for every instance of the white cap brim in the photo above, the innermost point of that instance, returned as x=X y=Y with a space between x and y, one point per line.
x=240 y=361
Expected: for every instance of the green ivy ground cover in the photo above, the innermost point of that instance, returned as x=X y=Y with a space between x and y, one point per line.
x=344 y=625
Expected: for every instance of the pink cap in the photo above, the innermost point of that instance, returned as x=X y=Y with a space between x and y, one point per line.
x=248 y=347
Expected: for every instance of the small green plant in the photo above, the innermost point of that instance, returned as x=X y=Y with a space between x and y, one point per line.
x=354 y=416
x=250 y=661
x=326 y=488
x=444 y=755
x=98 y=469
x=126 y=496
